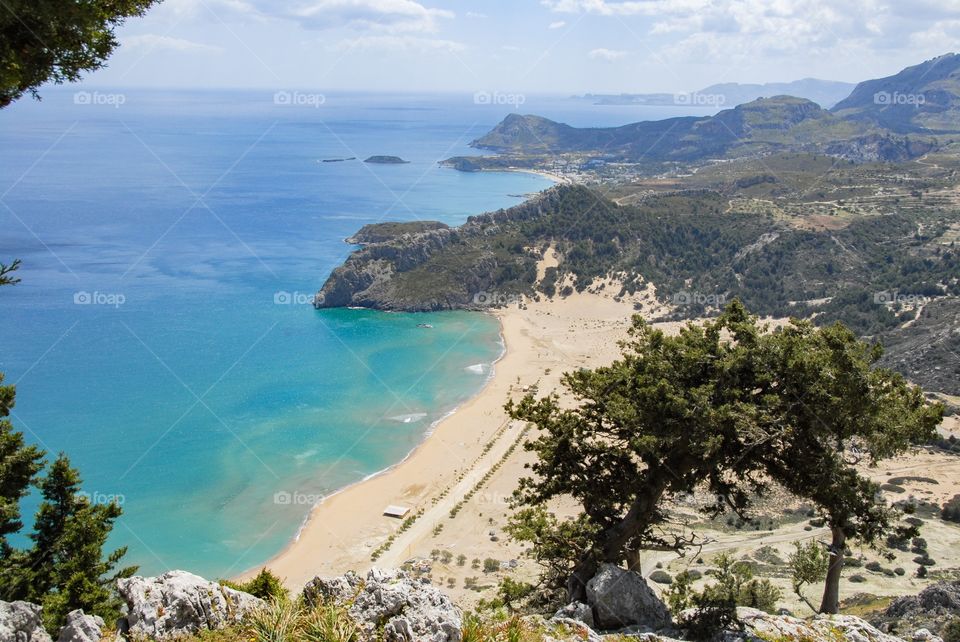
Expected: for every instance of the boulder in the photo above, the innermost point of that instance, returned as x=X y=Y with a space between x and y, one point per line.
x=576 y=611
x=407 y=609
x=81 y=627
x=178 y=602
x=822 y=628
x=924 y=635
x=20 y=622
x=621 y=598
x=931 y=609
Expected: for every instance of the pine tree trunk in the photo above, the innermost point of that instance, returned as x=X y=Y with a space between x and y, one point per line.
x=611 y=549
x=831 y=592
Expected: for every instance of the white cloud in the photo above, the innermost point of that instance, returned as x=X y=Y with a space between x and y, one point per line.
x=559 y=24
x=152 y=41
x=610 y=55
x=754 y=27
x=476 y=14
x=512 y=48
x=384 y=15
x=404 y=43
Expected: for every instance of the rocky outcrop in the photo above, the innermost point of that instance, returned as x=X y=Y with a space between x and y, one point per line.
x=81 y=627
x=438 y=268
x=823 y=628
x=620 y=598
x=178 y=602
x=20 y=622
x=929 y=610
x=406 y=609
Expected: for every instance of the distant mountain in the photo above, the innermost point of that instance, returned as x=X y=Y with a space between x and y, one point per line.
x=773 y=124
x=826 y=93
x=921 y=99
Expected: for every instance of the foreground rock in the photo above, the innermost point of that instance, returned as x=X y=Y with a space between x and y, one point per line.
x=20 y=622
x=931 y=609
x=823 y=628
x=620 y=598
x=178 y=602
x=407 y=609
x=81 y=627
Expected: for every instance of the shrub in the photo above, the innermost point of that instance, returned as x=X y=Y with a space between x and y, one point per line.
x=900 y=571
x=277 y=621
x=661 y=577
x=874 y=567
x=330 y=623
x=951 y=632
x=858 y=579
x=491 y=565
x=265 y=585
x=951 y=510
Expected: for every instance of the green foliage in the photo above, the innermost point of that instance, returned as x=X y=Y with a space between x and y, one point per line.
x=734 y=582
x=19 y=464
x=330 y=623
x=277 y=621
x=951 y=632
x=715 y=606
x=801 y=406
x=50 y=41
x=264 y=585
x=671 y=414
x=808 y=565
x=512 y=593
x=6 y=273
x=661 y=577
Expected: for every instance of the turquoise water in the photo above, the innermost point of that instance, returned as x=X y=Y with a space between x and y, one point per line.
x=162 y=337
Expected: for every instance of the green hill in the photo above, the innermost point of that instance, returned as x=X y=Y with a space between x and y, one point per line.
x=767 y=125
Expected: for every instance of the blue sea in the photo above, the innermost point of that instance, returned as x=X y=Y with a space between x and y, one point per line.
x=162 y=335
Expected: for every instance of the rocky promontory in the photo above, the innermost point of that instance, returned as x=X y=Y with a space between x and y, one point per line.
x=422 y=267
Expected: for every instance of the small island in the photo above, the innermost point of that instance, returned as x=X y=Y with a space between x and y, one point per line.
x=386 y=160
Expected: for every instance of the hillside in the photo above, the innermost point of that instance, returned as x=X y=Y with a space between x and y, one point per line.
x=887 y=268
x=900 y=117
x=767 y=125
x=924 y=98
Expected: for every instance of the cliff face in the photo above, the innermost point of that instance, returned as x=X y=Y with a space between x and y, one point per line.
x=436 y=268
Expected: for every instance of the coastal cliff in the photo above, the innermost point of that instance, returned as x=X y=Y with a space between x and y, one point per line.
x=398 y=266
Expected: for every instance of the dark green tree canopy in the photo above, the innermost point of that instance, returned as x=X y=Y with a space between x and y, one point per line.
x=56 y=40
x=728 y=405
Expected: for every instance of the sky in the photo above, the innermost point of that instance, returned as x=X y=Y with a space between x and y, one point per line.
x=546 y=46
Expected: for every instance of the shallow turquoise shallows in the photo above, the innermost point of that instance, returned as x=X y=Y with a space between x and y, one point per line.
x=162 y=335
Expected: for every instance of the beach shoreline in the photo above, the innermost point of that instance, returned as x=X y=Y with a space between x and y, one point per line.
x=341 y=533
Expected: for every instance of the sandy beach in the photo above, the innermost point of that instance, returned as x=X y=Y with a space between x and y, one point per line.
x=543 y=340
x=472 y=463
